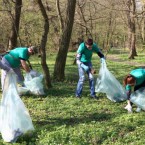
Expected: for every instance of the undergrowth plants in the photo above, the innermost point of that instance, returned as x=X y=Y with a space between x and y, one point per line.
x=60 y=118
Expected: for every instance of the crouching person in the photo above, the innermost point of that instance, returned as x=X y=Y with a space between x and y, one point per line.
x=132 y=82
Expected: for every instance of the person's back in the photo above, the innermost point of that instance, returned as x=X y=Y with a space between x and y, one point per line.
x=14 y=56
x=134 y=81
x=139 y=75
x=16 y=59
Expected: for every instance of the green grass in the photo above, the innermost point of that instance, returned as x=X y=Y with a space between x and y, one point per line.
x=61 y=119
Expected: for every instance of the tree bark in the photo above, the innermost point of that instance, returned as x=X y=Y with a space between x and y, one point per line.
x=131 y=4
x=15 y=24
x=43 y=45
x=59 y=16
x=64 y=42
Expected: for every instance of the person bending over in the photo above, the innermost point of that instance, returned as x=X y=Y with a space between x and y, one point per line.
x=14 y=60
x=132 y=82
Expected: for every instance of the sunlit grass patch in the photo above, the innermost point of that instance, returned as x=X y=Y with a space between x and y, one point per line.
x=61 y=118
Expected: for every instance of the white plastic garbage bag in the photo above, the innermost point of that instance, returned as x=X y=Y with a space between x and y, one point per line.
x=34 y=73
x=23 y=90
x=34 y=84
x=107 y=83
x=138 y=98
x=14 y=117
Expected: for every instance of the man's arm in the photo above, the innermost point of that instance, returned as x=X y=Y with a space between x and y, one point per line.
x=78 y=56
x=79 y=53
x=25 y=65
x=128 y=94
x=100 y=54
x=98 y=51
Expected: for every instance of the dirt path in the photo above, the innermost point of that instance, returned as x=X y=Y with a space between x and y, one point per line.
x=130 y=62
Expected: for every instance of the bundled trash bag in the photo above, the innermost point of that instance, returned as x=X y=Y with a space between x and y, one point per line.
x=23 y=90
x=33 y=84
x=34 y=73
x=14 y=117
x=138 y=98
x=107 y=83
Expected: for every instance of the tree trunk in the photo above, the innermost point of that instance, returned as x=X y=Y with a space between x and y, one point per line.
x=131 y=28
x=59 y=16
x=43 y=45
x=15 y=24
x=64 y=42
x=143 y=27
x=107 y=46
x=82 y=16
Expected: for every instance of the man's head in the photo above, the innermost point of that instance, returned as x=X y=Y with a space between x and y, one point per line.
x=33 y=50
x=129 y=80
x=89 y=43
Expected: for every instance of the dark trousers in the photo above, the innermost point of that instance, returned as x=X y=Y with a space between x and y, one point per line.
x=139 y=86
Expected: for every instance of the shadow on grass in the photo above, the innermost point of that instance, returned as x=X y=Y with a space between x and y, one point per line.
x=73 y=120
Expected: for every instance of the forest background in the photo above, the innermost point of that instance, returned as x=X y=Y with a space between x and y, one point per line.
x=58 y=27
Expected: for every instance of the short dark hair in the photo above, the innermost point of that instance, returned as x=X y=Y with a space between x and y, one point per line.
x=34 y=49
x=89 y=41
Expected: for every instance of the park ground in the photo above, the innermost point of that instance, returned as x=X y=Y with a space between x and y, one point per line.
x=60 y=118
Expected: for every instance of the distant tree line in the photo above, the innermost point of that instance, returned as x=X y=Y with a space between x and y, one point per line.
x=60 y=25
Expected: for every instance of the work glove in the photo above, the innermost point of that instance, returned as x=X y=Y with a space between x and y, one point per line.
x=102 y=60
x=85 y=67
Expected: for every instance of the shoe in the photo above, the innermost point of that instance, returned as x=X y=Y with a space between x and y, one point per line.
x=94 y=97
x=78 y=97
x=138 y=109
x=129 y=108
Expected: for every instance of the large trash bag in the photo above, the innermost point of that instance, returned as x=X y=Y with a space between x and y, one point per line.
x=23 y=90
x=138 y=98
x=14 y=117
x=33 y=84
x=107 y=83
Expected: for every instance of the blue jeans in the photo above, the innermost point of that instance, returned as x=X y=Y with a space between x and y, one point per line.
x=6 y=64
x=82 y=79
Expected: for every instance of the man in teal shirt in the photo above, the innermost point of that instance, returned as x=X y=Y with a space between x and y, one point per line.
x=83 y=57
x=14 y=59
x=134 y=81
